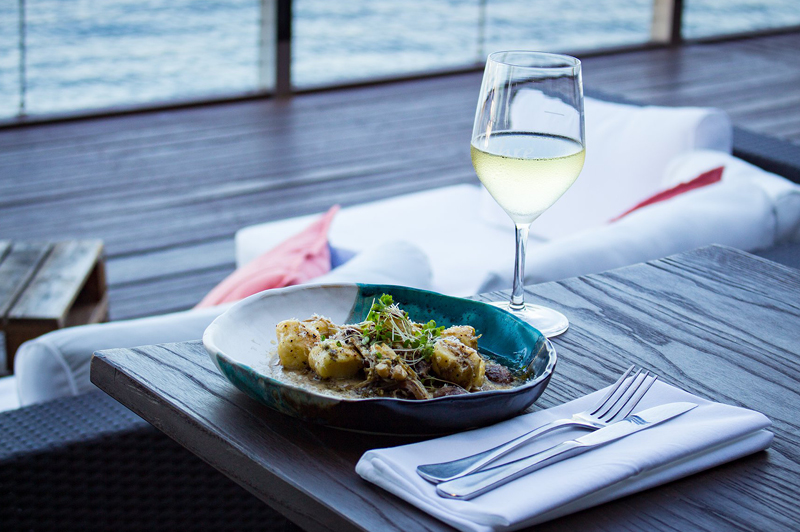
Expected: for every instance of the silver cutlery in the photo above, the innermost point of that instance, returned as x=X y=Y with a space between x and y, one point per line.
x=470 y=486
x=620 y=401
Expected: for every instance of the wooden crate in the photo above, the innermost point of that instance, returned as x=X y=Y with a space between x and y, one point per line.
x=46 y=286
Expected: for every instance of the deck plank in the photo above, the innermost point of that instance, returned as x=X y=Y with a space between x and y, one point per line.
x=166 y=190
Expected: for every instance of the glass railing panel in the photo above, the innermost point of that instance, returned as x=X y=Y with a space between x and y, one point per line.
x=9 y=59
x=104 y=53
x=95 y=54
x=339 y=42
x=711 y=18
x=567 y=25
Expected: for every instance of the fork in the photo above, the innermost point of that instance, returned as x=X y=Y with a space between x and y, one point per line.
x=620 y=401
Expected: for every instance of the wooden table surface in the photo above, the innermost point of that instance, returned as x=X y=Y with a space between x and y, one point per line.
x=718 y=322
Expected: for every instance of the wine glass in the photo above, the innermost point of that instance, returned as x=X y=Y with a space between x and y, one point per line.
x=528 y=148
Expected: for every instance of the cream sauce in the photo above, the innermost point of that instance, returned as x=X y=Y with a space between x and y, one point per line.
x=338 y=388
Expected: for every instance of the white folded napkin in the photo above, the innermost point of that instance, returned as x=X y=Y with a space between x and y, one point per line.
x=704 y=437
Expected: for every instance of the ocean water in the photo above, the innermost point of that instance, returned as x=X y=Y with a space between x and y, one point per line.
x=91 y=54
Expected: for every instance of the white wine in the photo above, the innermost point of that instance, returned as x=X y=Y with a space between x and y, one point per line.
x=526 y=172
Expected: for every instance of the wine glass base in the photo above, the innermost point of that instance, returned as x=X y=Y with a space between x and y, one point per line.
x=550 y=322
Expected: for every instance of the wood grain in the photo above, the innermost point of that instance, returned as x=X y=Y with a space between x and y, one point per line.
x=717 y=322
x=58 y=281
x=46 y=286
x=201 y=402
x=181 y=182
x=18 y=264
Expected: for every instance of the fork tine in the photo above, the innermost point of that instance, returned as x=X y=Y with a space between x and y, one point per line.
x=638 y=397
x=626 y=393
x=633 y=396
x=613 y=390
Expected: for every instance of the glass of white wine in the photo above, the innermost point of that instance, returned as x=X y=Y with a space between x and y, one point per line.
x=528 y=147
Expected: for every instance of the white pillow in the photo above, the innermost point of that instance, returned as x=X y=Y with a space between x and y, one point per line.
x=397 y=262
x=737 y=214
x=442 y=222
x=784 y=194
x=57 y=363
x=627 y=149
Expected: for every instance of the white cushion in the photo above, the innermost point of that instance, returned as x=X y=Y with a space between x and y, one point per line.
x=784 y=195
x=9 y=399
x=733 y=213
x=57 y=364
x=443 y=223
x=628 y=148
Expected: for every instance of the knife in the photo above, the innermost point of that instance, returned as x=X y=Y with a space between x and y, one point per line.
x=470 y=486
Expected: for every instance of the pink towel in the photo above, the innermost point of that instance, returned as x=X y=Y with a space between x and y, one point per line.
x=296 y=260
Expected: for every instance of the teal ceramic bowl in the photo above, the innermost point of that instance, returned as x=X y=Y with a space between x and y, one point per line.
x=239 y=341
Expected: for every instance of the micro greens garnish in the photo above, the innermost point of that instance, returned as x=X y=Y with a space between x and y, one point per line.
x=391 y=325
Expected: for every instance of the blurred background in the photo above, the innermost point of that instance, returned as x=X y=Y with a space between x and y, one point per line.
x=85 y=56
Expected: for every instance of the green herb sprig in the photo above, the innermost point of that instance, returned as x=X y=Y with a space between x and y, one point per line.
x=391 y=325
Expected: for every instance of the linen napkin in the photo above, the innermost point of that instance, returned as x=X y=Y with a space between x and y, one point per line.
x=707 y=436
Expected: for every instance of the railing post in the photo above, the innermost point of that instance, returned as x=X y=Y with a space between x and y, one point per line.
x=267 y=42
x=667 y=22
x=275 y=54
x=283 y=66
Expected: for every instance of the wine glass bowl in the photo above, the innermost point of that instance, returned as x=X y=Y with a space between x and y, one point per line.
x=528 y=148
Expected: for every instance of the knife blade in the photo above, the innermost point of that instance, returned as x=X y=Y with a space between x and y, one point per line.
x=470 y=486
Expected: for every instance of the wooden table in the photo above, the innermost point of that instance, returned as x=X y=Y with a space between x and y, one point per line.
x=45 y=286
x=718 y=322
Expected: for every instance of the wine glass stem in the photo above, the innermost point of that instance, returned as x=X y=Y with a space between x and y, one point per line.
x=518 y=291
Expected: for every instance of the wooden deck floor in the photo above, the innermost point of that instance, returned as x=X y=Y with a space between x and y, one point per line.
x=167 y=190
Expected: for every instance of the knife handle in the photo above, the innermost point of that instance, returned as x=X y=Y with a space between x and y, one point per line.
x=470 y=486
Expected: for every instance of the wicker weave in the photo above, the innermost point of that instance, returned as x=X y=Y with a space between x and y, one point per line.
x=771 y=154
x=87 y=463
